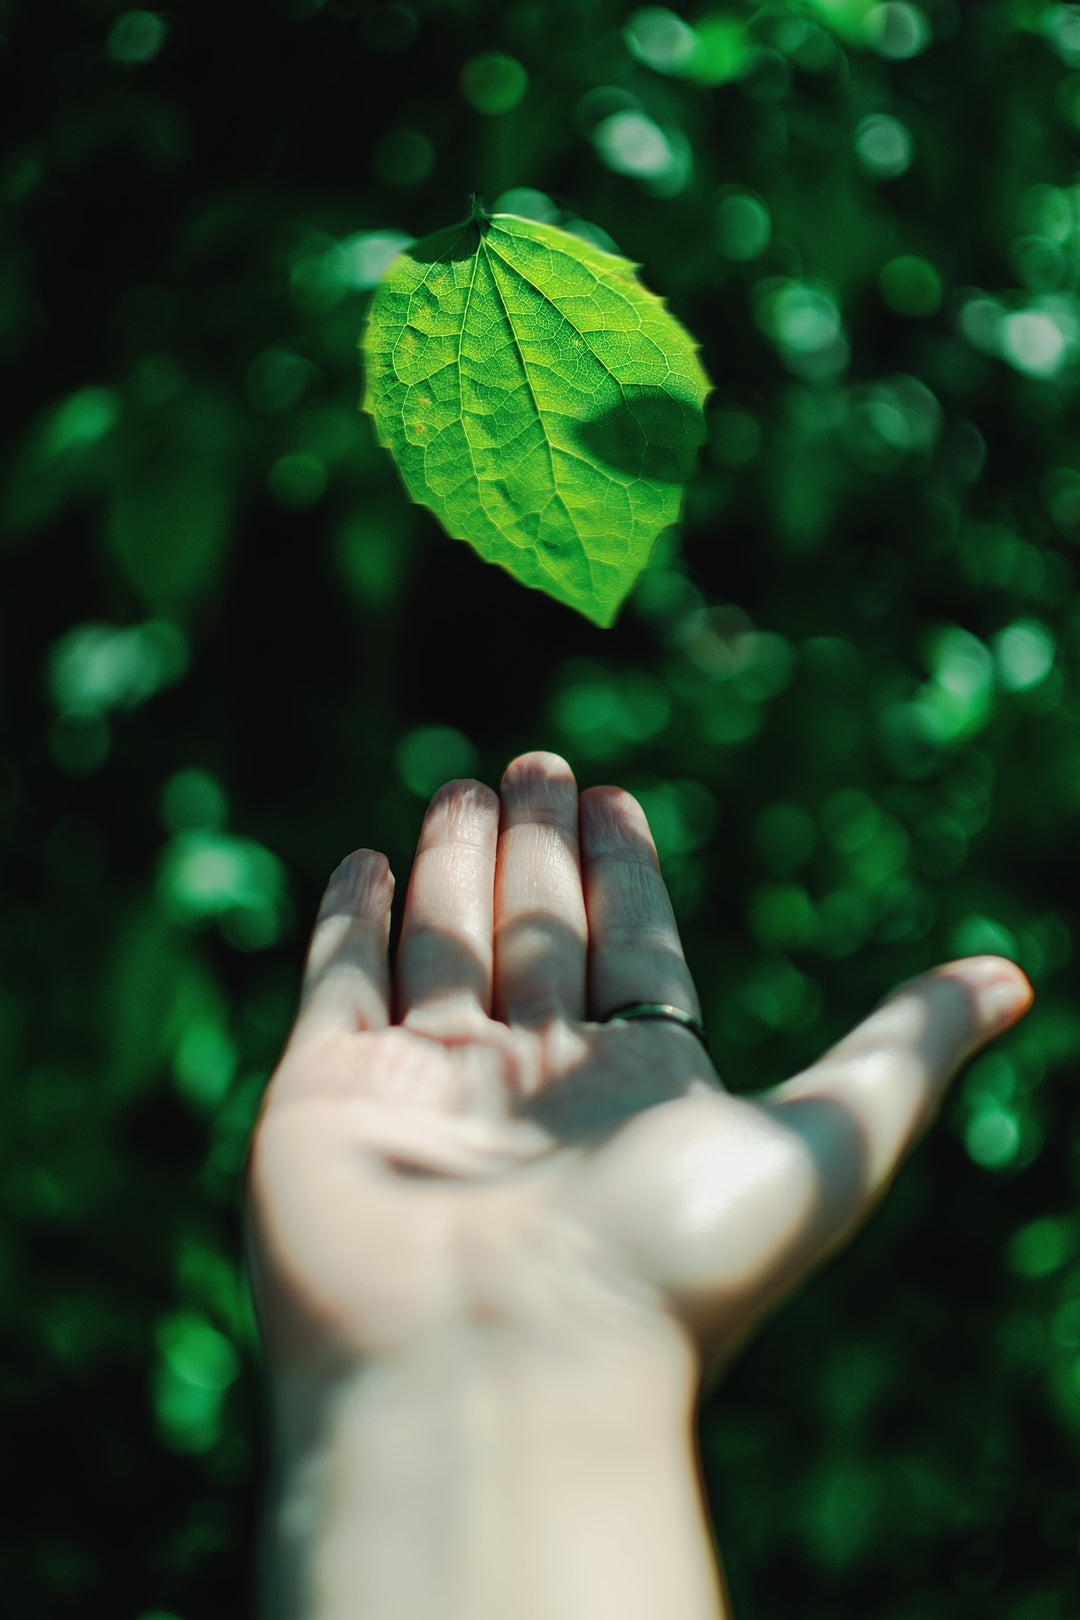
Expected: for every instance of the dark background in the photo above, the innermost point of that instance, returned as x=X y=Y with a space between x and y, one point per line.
x=845 y=690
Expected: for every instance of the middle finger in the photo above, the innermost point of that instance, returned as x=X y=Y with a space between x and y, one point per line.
x=540 y=928
x=444 y=958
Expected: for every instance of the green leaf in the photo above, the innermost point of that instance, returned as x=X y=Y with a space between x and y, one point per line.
x=542 y=403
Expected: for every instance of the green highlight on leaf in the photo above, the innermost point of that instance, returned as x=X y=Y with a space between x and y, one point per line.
x=538 y=399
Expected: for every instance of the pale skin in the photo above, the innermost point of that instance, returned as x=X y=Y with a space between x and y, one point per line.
x=497 y=1244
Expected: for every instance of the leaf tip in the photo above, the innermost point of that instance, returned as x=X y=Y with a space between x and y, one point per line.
x=603 y=615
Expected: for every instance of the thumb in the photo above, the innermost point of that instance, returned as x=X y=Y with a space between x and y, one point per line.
x=887 y=1077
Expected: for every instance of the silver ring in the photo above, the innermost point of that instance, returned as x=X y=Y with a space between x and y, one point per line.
x=660 y=1010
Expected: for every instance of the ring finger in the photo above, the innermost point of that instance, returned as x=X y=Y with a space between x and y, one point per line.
x=635 y=953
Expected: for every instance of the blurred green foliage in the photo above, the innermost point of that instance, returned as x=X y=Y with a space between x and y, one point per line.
x=846 y=691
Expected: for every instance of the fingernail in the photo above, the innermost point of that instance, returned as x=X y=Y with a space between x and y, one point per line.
x=1003 y=1000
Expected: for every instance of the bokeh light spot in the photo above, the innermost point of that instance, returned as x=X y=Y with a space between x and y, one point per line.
x=1061 y=493
x=1040 y=264
x=911 y=286
x=494 y=83
x=1048 y=211
x=725 y=51
x=957 y=700
x=992 y=1137
x=850 y=819
x=782 y=916
x=992 y=1077
x=204 y=1063
x=297 y=480
x=803 y=320
x=811 y=48
x=603 y=712
x=371 y=552
x=197 y=1365
x=982 y=936
x=960 y=662
x=429 y=756
x=1023 y=654
x=840 y=1505
x=364 y=259
x=136 y=37
x=590 y=232
x=722 y=642
x=1061 y=27
x=875 y=434
x=193 y=798
x=883 y=146
x=661 y=40
x=527 y=204
x=980 y=322
x=96 y=667
x=631 y=143
x=1032 y=342
x=897 y=30
x=786 y=835
x=742 y=225
x=208 y=875
x=779 y=996
x=681 y=814
x=81 y=420
x=1042 y=1246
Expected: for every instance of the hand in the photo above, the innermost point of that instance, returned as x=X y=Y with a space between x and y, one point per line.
x=465 y=1141
x=495 y=1239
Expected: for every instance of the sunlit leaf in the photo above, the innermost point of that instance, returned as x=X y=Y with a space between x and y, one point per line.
x=542 y=403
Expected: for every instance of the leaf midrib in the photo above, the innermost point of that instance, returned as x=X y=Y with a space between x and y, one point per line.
x=536 y=408
x=566 y=321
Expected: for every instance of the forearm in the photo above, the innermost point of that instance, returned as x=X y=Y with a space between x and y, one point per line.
x=473 y=1484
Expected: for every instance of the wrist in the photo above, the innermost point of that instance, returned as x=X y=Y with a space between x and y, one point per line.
x=473 y=1479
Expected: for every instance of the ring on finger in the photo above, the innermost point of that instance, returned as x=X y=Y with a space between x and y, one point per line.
x=661 y=1011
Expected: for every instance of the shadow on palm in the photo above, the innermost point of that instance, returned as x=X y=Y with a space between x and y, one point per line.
x=481 y=1149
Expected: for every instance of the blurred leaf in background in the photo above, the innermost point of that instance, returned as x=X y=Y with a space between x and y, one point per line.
x=845 y=687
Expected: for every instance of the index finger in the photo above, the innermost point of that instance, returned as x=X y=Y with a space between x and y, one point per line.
x=347 y=974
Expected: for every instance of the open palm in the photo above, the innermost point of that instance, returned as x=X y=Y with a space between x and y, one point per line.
x=465 y=1142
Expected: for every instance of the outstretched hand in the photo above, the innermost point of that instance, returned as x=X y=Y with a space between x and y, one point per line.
x=463 y=1141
